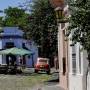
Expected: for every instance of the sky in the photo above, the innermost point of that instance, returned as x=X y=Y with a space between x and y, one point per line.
x=6 y=3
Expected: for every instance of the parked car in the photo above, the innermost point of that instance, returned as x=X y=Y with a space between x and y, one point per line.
x=3 y=69
x=42 y=64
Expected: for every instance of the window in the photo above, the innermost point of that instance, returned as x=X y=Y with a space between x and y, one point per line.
x=73 y=59
x=9 y=44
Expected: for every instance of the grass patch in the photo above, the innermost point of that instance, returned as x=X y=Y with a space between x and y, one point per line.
x=35 y=79
x=22 y=82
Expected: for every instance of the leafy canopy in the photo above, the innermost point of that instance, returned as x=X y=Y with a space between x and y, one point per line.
x=80 y=22
x=15 y=17
x=39 y=24
x=43 y=28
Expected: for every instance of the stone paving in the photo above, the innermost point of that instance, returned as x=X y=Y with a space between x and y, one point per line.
x=46 y=87
x=12 y=82
x=17 y=82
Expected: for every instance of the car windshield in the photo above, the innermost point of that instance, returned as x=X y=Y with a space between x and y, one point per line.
x=41 y=61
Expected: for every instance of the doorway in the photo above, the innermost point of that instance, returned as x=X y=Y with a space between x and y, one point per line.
x=10 y=59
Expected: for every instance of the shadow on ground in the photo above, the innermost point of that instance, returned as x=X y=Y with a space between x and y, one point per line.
x=54 y=79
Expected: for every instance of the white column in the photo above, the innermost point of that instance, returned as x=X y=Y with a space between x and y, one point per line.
x=77 y=58
x=60 y=47
x=70 y=55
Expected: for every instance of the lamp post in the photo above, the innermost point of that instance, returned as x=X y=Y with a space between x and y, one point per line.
x=62 y=46
x=60 y=15
x=61 y=11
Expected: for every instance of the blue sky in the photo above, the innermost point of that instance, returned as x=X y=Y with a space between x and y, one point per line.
x=6 y=3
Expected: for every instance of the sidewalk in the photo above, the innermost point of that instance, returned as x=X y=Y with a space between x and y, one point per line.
x=46 y=87
x=53 y=87
x=52 y=84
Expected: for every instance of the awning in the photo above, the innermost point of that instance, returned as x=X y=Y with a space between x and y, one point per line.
x=16 y=51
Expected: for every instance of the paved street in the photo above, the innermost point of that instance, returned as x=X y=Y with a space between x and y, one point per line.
x=47 y=87
x=52 y=88
x=52 y=84
x=29 y=81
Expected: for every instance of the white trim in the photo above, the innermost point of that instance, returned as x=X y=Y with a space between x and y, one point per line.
x=66 y=8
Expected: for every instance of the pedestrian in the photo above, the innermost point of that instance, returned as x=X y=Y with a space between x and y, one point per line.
x=10 y=60
x=20 y=60
x=56 y=63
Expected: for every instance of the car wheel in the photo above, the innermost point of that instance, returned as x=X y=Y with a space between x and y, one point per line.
x=19 y=71
x=48 y=72
x=36 y=71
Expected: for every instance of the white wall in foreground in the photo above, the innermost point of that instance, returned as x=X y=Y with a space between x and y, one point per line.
x=77 y=80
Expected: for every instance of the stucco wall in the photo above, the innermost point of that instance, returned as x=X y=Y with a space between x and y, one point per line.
x=88 y=81
x=29 y=61
x=62 y=53
x=17 y=43
x=14 y=35
x=77 y=81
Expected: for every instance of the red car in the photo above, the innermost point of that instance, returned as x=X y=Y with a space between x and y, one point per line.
x=42 y=64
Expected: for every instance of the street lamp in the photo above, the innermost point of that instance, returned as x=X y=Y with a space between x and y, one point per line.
x=62 y=21
x=60 y=15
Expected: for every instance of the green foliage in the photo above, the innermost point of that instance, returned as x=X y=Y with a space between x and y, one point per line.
x=15 y=17
x=80 y=22
x=43 y=27
x=1 y=23
x=40 y=24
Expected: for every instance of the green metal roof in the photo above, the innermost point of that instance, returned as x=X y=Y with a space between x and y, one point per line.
x=16 y=51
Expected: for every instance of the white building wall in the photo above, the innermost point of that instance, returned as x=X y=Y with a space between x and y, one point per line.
x=88 y=81
x=77 y=81
x=85 y=62
x=60 y=48
x=70 y=55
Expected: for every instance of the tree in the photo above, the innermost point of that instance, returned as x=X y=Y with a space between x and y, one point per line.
x=39 y=24
x=43 y=28
x=16 y=17
x=1 y=21
x=80 y=23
